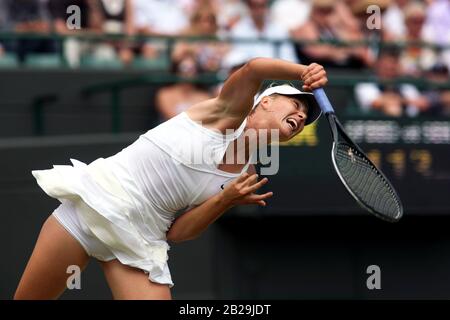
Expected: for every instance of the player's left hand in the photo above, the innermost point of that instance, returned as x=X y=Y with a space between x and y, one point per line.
x=242 y=191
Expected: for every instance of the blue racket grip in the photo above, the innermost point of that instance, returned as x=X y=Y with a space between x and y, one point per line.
x=323 y=101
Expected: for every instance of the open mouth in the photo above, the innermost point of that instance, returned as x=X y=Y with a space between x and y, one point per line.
x=292 y=123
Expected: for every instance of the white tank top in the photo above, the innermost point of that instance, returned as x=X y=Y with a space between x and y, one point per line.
x=163 y=173
x=132 y=197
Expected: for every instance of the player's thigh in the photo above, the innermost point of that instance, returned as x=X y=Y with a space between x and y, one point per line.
x=45 y=275
x=128 y=283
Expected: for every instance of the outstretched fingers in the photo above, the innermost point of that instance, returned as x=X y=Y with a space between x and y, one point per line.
x=256 y=185
x=242 y=177
x=242 y=190
x=259 y=198
x=251 y=180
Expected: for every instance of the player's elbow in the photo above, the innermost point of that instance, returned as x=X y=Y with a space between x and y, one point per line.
x=173 y=237
x=253 y=66
x=256 y=62
x=177 y=237
x=177 y=240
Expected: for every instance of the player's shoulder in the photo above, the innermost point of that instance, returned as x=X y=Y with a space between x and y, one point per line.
x=212 y=113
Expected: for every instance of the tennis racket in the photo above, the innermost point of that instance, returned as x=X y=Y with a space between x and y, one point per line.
x=368 y=185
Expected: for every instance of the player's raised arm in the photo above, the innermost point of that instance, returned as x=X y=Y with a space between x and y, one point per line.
x=236 y=97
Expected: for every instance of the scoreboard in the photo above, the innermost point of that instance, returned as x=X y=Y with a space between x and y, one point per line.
x=413 y=153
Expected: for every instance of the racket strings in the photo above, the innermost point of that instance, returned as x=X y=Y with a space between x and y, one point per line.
x=365 y=181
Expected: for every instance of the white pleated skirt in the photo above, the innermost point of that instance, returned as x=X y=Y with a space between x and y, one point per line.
x=104 y=208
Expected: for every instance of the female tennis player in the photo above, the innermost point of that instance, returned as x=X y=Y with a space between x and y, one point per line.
x=122 y=210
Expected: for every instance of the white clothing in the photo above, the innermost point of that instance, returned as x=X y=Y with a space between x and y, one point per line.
x=163 y=16
x=281 y=12
x=394 y=21
x=129 y=200
x=245 y=29
x=366 y=93
x=68 y=216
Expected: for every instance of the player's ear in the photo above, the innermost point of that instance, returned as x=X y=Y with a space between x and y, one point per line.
x=265 y=103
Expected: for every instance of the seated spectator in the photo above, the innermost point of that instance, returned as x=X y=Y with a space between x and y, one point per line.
x=97 y=16
x=373 y=35
x=58 y=11
x=209 y=54
x=438 y=22
x=445 y=103
x=394 y=18
x=25 y=16
x=415 y=58
x=229 y=13
x=158 y=18
x=174 y=99
x=439 y=98
x=345 y=20
x=281 y=13
x=258 y=25
x=73 y=48
x=350 y=27
x=332 y=22
x=385 y=95
x=114 y=17
x=437 y=28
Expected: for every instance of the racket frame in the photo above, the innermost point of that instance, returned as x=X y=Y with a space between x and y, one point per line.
x=336 y=126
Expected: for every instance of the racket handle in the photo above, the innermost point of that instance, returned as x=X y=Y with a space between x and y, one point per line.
x=323 y=101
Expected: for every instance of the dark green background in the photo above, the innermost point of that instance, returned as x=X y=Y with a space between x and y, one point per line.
x=311 y=241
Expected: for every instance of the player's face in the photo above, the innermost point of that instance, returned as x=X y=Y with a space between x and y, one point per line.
x=285 y=113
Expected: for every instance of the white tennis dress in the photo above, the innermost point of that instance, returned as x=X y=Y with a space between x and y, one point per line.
x=122 y=206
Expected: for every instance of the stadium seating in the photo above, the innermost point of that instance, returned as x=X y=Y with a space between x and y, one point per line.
x=43 y=61
x=8 y=60
x=92 y=62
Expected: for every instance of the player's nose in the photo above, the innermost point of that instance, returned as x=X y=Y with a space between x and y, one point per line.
x=302 y=115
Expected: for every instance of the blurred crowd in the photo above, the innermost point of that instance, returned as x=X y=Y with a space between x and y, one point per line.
x=246 y=21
